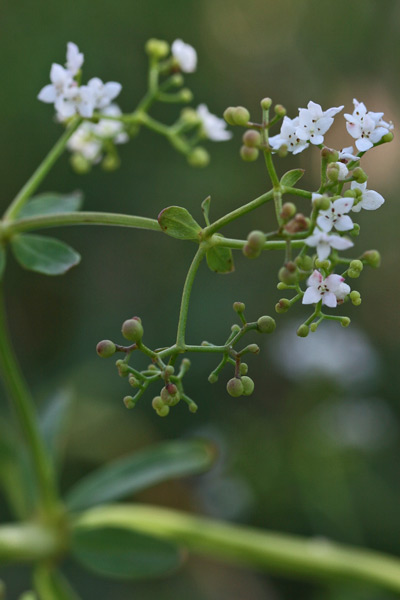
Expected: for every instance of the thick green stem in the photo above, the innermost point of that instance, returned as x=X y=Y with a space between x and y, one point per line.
x=239 y=244
x=35 y=180
x=24 y=408
x=235 y=214
x=289 y=555
x=187 y=288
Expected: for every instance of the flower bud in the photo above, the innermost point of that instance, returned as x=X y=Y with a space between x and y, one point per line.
x=80 y=164
x=323 y=264
x=355 y=298
x=240 y=115
x=372 y=258
x=248 y=386
x=299 y=223
x=282 y=151
x=158 y=49
x=359 y=175
x=333 y=172
x=330 y=155
x=129 y=402
x=266 y=103
x=288 y=211
x=177 y=80
x=356 y=265
x=199 y=157
x=282 y=286
x=105 y=348
x=212 y=378
x=304 y=262
x=186 y=95
x=351 y=193
x=235 y=328
x=313 y=327
x=243 y=368
x=169 y=370
x=322 y=203
x=239 y=307
x=253 y=348
x=345 y=322
x=303 y=330
x=228 y=115
x=163 y=411
x=387 y=137
x=287 y=275
x=110 y=162
x=355 y=231
x=190 y=116
x=251 y=138
x=249 y=154
x=170 y=394
x=133 y=381
x=234 y=387
x=123 y=369
x=280 y=110
x=282 y=306
x=132 y=330
x=157 y=403
x=256 y=239
x=266 y=324
x=353 y=273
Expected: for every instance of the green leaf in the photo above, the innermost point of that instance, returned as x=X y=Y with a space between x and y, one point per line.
x=54 y=421
x=44 y=254
x=52 y=585
x=291 y=177
x=220 y=259
x=2 y=261
x=179 y=223
x=50 y=203
x=123 y=554
x=205 y=207
x=134 y=473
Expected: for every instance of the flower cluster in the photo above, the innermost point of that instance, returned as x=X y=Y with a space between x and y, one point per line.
x=366 y=127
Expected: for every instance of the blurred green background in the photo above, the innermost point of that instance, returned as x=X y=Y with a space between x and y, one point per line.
x=315 y=450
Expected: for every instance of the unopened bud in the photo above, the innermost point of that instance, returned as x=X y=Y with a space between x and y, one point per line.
x=235 y=328
x=330 y=155
x=355 y=298
x=251 y=138
x=80 y=164
x=132 y=330
x=169 y=370
x=280 y=110
x=313 y=327
x=345 y=322
x=304 y=262
x=239 y=307
x=359 y=175
x=283 y=151
x=372 y=258
x=129 y=402
x=288 y=211
x=287 y=275
x=282 y=306
x=243 y=368
x=123 y=369
x=157 y=48
x=213 y=378
x=186 y=95
x=323 y=264
x=177 y=80
x=333 y=172
x=249 y=154
x=248 y=385
x=299 y=223
x=355 y=231
x=228 y=115
x=157 y=403
x=199 y=157
x=163 y=411
x=110 y=162
x=105 y=348
x=253 y=348
x=357 y=265
x=322 y=203
x=190 y=116
x=303 y=330
x=266 y=324
x=133 y=381
x=240 y=115
x=234 y=387
x=353 y=273
x=387 y=137
x=266 y=103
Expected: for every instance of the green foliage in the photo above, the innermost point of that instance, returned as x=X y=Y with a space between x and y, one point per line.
x=51 y=203
x=220 y=259
x=45 y=255
x=292 y=177
x=179 y=223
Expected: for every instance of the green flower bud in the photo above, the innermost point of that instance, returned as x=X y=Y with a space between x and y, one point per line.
x=323 y=264
x=190 y=116
x=330 y=155
x=248 y=386
x=282 y=306
x=177 y=80
x=105 y=348
x=304 y=262
x=199 y=157
x=355 y=298
x=288 y=211
x=313 y=327
x=345 y=322
x=243 y=368
x=266 y=324
x=353 y=273
x=110 y=162
x=234 y=387
x=157 y=48
x=239 y=307
x=355 y=231
x=280 y=110
x=152 y=368
x=169 y=370
x=356 y=265
x=228 y=115
x=333 y=172
x=213 y=378
x=256 y=239
x=359 y=175
x=157 y=403
x=387 y=137
x=322 y=203
x=253 y=348
x=372 y=258
x=129 y=402
x=80 y=164
x=123 y=369
x=240 y=115
x=132 y=330
x=266 y=103
x=170 y=394
x=163 y=411
x=186 y=363
x=351 y=193
x=251 y=138
x=287 y=276
x=133 y=381
x=282 y=151
x=235 y=328
x=282 y=286
x=186 y=95
x=303 y=330
x=249 y=154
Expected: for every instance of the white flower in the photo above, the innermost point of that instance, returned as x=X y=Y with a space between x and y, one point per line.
x=370 y=200
x=288 y=137
x=74 y=58
x=330 y=290
x=214 y=127
x=342 y=170
x=347 y=154
x=335 y=216
x=61 y=81
x=103 y=93
x=324 y=242
x=110 y=129
x=185 y=55
x=367 y=128
x=314 y=122
x=83 y=142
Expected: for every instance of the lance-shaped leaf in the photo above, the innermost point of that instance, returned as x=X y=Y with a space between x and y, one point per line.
x=291 y=177
x=45 y=255
x=124 y=554
x=50 y=203
x=205 y=207
x=179 y=223
x=220 y=259
x=132 y=474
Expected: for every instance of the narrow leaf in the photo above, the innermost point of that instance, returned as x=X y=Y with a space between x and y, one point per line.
x=45 y=255
x=52 y=585
x=205 y=207
x=291 y=177
x=54 y=421
x=50 y=203
x=2 y=261
x=178 y=223
x=220 y=259
x=147 y=467
x=123 y=554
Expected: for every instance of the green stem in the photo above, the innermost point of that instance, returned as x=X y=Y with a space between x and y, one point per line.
x=27 y=542
x=187 y=288
x=24 y=407
x=77 y=218
x=37 y=177
x=235 y=214
x=289 y=555
x=238 y=244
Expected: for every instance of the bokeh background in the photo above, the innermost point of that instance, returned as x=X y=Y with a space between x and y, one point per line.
x=315 y=450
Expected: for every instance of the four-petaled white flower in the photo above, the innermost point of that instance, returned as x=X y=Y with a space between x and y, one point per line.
x=366 y=127
x=103 y=93
x=314 y=122
x=324 y=242
x=61 y=81
x=74 y=58
x=213 y=126
x=336 y=216
x=288 y=137
x=185 y=55
x=331 y=290
x=347 y=154
x=370 y=200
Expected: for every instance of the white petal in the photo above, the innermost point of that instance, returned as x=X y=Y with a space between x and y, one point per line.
x=329 y=299
x=112 y=89
x=343 y=205
x=358 y=186
x=344 y=223
x=47 y=94
x=315 y=279
x=186 y=56
x=323 y=250
x=311 y=296
x=363 y=144
x=340 y=243
x=324 y=221
x=371 y=200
